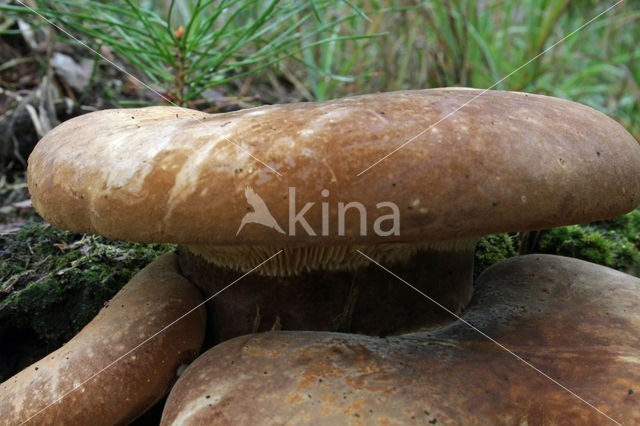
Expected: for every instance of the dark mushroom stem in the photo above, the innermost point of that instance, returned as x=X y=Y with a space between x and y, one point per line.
x=331 y=289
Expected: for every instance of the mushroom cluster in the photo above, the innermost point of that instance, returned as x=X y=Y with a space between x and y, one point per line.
x=294 y=184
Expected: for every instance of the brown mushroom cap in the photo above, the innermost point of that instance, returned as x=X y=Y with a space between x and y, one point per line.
x=45 y=393
x=505 y=161
x=476 y=163
x=575 y=321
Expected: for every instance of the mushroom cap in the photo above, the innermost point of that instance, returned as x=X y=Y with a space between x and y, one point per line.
x=86 y=382
x=577 y=322
x=502 y=161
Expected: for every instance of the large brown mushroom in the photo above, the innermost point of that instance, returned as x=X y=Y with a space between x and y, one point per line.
x=121 y=363
x=578 y=323
x=234 y=189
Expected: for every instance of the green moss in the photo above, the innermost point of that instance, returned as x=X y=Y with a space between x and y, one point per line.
x=612 y=242
x=626 y=226
x=54 y=282
x=576 y=241
x=492 y=249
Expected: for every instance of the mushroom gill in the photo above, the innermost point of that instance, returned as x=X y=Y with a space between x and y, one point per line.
x=300 y=260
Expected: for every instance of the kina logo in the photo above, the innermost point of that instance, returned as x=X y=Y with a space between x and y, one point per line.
x=384 y=224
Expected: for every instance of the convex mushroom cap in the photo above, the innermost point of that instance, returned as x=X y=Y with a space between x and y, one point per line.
x=498 y=162
x=297 y=180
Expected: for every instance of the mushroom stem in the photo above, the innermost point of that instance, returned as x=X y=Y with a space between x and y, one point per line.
x=356 y=296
